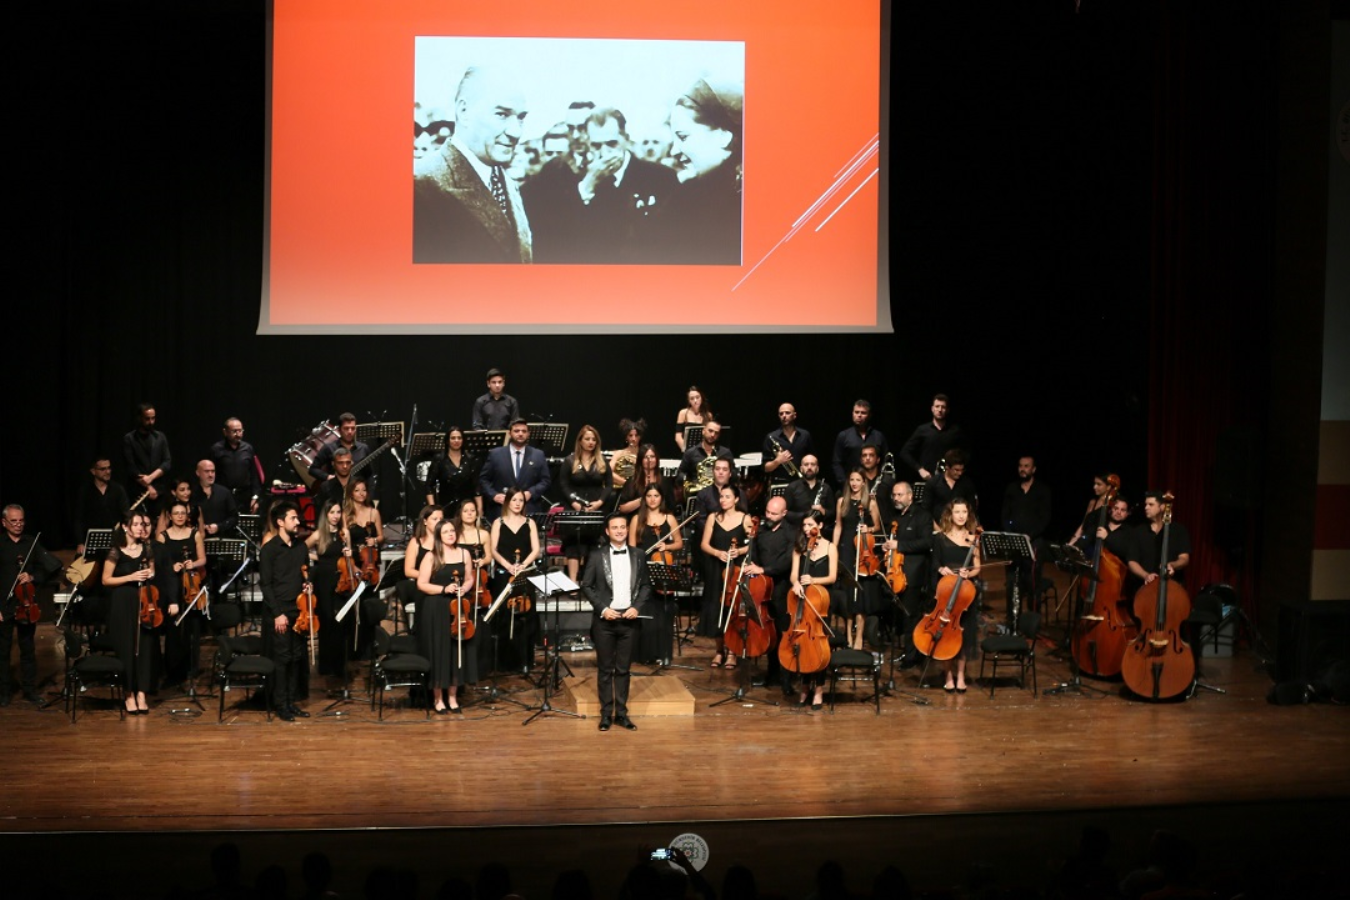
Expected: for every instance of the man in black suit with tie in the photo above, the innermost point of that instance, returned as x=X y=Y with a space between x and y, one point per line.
x=465 y=209
x=515 y=465
x=618 y=586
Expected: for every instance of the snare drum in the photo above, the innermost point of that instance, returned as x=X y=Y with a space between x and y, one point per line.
x=303 y=453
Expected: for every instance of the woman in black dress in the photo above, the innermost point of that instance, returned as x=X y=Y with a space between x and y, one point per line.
x=515 y=547
x=328 y=544
x=181 y=548
x=180 y=491
x=720 y=533
x=129 y=566
x=955 y=542
x=443 y=578
x=814 y=561
x=695 y=412
x=585 y=485
x=424 y=535
x=647 y=474
x=453 y=477
x=652 y=524
x=857 y=514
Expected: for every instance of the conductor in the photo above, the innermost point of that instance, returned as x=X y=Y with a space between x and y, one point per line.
x=619 y=588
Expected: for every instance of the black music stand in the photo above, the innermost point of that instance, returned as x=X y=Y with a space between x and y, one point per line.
x=693 y=436
x=96 y=540
x=552 y=651
x=668 y=580
x=478 y=443
x=1016 y=549
x=426 y=448
x=344 y=695
x=1069 y=558
x=920 y=489
x=494 y=691
x=551 y=437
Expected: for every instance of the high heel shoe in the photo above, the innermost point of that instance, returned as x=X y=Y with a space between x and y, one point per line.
x=716 y=661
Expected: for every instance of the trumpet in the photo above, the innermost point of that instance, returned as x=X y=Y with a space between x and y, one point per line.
x=789 y=466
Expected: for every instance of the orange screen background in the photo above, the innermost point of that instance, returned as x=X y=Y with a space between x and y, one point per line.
x=339 y=244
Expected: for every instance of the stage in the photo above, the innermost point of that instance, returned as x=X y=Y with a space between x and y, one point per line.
x=1025 y=771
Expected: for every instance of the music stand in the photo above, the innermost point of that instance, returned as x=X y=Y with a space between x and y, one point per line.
x=552 y=652
x=96 y=540
x=1070 y=558
x=667 y=580
x=551 y=437
x=920 y=489
x=1016 y=549
x=380 y=432
x=427 y=443
x=743 y=676
x=478 y=443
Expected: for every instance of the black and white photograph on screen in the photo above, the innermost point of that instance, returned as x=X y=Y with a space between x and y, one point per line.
x=577 y=152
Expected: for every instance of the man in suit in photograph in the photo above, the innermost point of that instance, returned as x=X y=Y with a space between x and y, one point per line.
x=465 y=208
x=515 y=465
x=619 y=588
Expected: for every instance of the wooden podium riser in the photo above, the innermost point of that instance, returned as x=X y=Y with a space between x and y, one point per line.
x=661 y=695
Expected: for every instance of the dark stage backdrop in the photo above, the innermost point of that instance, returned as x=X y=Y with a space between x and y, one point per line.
x=1022 y=231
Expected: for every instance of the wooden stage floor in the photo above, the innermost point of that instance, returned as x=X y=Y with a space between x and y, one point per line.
x=959 y=755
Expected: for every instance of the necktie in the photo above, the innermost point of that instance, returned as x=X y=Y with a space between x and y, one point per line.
x=499 y=191
x=517 y=464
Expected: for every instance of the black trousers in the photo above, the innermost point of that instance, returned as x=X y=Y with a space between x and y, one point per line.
x=290 y=653
x=27 y=654
x=614 y=639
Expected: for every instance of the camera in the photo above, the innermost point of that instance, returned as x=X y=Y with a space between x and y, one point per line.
x=661 y=853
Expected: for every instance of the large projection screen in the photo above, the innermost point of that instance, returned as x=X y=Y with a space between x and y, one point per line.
x=709 y=167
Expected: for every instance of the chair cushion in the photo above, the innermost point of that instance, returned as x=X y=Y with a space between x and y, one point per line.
x=846 y=657
x=247 y=644
x=1004 y=643
x=406 y=662
x=99 y=665
x=402 y=643
x=251 y=665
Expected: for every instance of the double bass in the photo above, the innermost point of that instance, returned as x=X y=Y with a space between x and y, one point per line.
x=1158 y=664
x=1101 y=635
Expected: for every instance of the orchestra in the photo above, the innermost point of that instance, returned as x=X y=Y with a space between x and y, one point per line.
x=887 y=555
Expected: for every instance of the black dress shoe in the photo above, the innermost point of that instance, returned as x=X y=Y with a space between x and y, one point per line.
x=285 y=715
x=297 y=712
x=625 y=722
x=442 y=711
x=605 y=723
x=31 y=696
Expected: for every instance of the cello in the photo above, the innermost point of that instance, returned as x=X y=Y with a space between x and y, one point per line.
x=1158 y=664
x=1101 y=635
x=939 y=634
x=805 y=645
x=749 y=631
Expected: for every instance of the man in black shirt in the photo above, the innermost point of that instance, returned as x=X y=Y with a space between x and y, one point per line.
x=334 y=490
x=1145 y=555
x=1026 y=510
x=237 y=466
x=706 y=448
x=708 y=501
x=219 y=514
x=849 y=442
x=100 y=503
x=148 y=460
x=785 y=447
x=931 y=440
x=877 y=483
x=946 y=486
x=322 y=469
x=495 y=410
x=281 y=576
x=20 y=550
x=913 y=536
x=771 y=555
x=810 y=494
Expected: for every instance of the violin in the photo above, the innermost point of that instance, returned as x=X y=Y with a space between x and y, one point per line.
x=1101 y=635
x=481 y=596
x=151 y=616
x=346 y=569
x=192 y=582
x=462 y=625
x=895 y=566
x=1158 y=664
x=866 y=562
x=370 y=564
x=307 y=620
x=939 y=634
x=805 y=646
x=518 y=602
x=26 y=611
